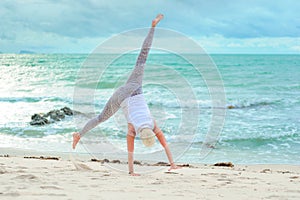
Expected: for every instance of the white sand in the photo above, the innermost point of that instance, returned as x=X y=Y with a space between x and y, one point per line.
x=22 y=178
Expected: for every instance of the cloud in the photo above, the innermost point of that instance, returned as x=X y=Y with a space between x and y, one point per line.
x=241 y=19
x=101 y=18
x=296 y=48
x=220 y=44
x=92 y=20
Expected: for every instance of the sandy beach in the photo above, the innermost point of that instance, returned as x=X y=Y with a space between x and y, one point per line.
x=57 y=177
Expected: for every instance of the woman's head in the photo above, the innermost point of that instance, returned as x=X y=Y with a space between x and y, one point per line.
x=147 y=137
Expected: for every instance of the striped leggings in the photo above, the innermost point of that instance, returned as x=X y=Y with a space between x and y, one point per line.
x=132 y=87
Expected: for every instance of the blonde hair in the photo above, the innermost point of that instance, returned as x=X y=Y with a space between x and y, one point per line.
x=147 y=137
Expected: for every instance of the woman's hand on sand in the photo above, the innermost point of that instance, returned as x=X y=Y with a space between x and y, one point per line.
x=134 y=174
x=173 y=167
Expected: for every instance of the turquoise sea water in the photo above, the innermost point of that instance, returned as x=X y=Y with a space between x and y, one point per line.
x=262 y=127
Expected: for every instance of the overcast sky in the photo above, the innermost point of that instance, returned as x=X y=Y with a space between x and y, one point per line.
x=219 y=26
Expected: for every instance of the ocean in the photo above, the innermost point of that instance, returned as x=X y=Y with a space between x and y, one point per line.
x=262 y=121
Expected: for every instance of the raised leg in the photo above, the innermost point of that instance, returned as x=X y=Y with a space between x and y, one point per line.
x=136 y=76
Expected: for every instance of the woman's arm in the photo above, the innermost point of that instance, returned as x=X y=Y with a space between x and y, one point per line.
x=161 y=138
x=130 y=149
x=169 y=155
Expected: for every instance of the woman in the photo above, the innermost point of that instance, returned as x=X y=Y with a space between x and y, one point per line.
x=130 y=97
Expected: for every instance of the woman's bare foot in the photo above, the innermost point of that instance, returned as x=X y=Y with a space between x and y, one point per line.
x=157 y=19
x=173 y=166
x=76 y=138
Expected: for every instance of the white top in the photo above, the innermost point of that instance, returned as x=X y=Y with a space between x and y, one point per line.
x=136 y=111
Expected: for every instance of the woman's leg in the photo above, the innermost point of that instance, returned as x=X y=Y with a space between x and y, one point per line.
x=132 y=86
x=110 y=108
x=136 y=77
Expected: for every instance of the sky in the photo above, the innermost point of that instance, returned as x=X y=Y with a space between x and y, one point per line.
x=219 y=26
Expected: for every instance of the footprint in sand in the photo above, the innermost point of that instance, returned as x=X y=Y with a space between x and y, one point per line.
x=21 y=167
x=28 y=176
x=81 y=166
x=106 y=174
x=171 y=172
x=12 y=194
x=50 y=187
x=2 y=170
